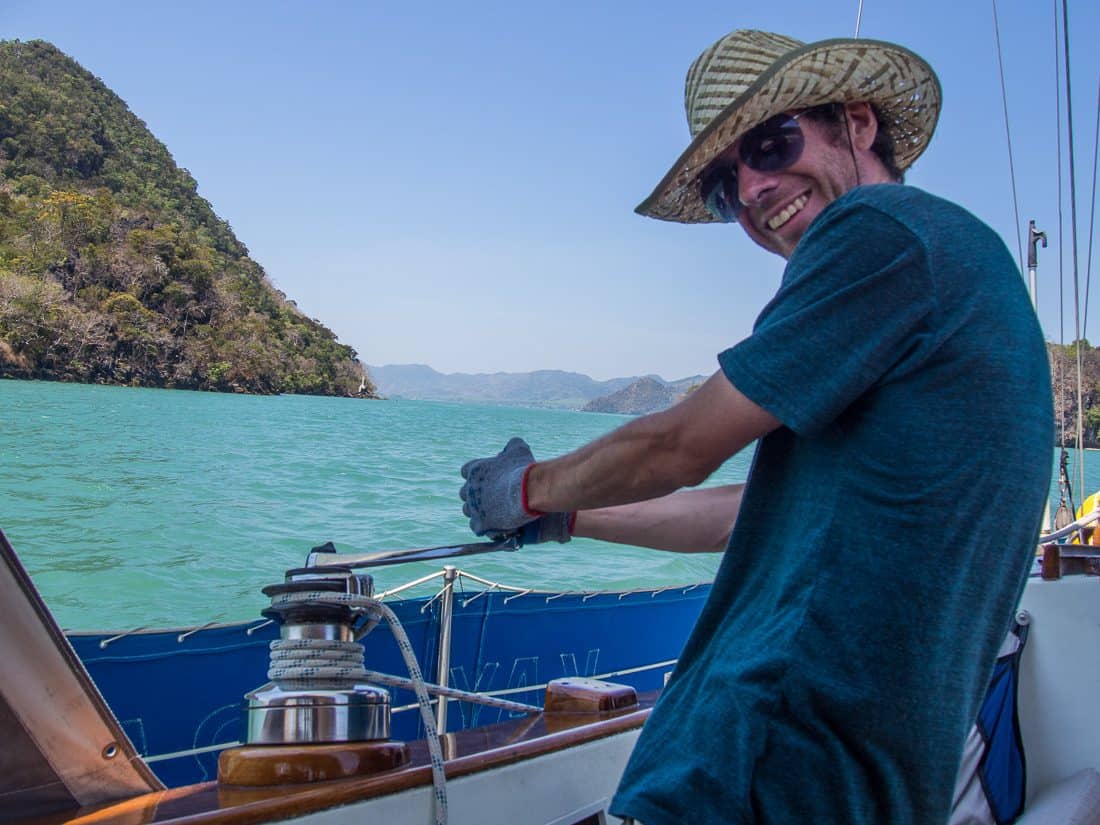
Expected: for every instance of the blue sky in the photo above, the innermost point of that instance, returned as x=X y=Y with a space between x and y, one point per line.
x=454 y=183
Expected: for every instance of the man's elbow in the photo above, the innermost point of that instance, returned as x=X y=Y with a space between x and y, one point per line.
x=698 y=468
x=720 y=542
x=683 y=461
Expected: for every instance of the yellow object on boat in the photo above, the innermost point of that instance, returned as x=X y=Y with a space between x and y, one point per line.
x=1087 y=506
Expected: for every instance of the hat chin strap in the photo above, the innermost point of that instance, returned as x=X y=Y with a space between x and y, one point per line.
x=848 y=132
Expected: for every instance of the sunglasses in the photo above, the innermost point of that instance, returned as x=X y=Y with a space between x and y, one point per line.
x=771 y=146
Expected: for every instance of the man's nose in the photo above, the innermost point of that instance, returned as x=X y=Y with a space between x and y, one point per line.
x=753 y=185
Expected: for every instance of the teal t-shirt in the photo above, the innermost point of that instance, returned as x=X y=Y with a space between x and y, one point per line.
x=884 y=536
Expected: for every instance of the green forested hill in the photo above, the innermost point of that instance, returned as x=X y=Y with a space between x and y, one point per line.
x=1063 y=372
x=113 y=269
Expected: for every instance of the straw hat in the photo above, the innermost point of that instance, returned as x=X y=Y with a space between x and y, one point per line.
x=749 y=76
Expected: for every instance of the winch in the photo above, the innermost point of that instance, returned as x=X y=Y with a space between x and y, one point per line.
x=317 y=691
x=323 y=716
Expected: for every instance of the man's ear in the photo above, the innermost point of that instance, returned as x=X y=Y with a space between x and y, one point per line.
x=862 y=124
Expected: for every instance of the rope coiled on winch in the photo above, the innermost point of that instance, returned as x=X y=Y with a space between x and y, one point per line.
x=325 y=664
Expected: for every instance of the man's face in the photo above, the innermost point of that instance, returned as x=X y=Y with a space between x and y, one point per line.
x=780 y=205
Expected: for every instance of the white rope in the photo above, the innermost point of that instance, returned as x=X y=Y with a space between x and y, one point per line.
x=435 y=751
x=452 y=693
x=318 y=664
x=302 y=664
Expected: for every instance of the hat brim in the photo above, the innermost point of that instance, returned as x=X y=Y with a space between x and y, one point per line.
x=900 y=83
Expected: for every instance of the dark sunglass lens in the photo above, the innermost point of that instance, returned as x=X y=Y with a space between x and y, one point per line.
x=721 y=196
x=773 y=145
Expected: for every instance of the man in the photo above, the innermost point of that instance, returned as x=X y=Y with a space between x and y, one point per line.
x=899 y=389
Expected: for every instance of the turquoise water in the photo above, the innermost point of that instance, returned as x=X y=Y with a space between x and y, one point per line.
x=139 y=507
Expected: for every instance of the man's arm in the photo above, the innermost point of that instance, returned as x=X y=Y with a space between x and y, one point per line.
x=687 y=521
x=654 y=455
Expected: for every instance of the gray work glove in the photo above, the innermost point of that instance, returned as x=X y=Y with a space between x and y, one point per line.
x=551 y=527
x=493 y=492
x=493 y=495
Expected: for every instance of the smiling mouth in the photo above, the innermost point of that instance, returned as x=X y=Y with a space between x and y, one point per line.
x=792 y=209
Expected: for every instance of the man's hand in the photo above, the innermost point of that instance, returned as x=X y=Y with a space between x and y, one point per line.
x=493 y=492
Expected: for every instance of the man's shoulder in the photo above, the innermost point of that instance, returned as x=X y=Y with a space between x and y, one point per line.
x=928 y=218
x=895 y=199
x=889 y=213
x=882 y=208
x=906 y=204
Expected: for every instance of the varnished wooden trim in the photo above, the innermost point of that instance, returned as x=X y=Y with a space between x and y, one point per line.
x=479 y=749
x=579 y=695
x=290 y=764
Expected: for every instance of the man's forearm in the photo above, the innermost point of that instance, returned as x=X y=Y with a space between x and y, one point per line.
x=651 y=456
x=639 y=461
x=688 y=521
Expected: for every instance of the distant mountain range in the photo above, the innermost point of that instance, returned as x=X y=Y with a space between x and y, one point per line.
x=542 y=388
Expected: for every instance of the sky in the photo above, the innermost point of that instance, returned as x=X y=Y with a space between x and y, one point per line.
x=453 y=183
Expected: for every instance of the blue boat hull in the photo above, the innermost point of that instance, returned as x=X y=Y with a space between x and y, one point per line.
x=178 y=693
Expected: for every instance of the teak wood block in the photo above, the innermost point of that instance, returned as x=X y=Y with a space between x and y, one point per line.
x=293 y=764
x=1051 y=565
x=578 y=695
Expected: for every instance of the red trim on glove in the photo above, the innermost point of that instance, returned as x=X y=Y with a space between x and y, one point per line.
x=572 y=523
x=523 y=495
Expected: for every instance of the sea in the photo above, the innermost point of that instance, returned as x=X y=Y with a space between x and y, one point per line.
x=133 y=507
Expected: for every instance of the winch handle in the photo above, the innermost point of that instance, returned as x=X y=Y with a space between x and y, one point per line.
x=321 y=559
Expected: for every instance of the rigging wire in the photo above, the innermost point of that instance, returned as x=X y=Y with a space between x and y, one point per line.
x=1073 y=236
x=1008 y=135
x=1065 y=489
x=859 y=17
x=1058 y=177
x=1060 y=382
x=1092 y=212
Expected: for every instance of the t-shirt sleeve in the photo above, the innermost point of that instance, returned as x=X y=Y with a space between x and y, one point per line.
x=852 y=308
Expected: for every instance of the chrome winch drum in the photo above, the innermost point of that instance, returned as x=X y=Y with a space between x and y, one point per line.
x=279 y=717
x=356 y=712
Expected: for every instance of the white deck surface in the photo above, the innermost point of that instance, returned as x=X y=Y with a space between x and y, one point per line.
x=1060 y=679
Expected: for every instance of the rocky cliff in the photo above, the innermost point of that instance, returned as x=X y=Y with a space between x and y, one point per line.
x=646 y=395
x=114 y=270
